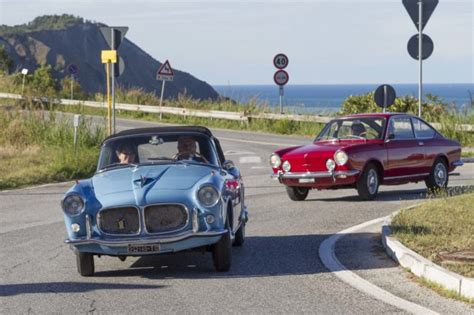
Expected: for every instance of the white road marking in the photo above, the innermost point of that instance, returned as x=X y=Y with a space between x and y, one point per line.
x=11 y=228
x=230 y=152
x=328 y=257
x=37 y=186
x=280 y=144
x=260 y=167
x=250 y=159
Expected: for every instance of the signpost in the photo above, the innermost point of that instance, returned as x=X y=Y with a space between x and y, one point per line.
x=72 y=69
x=384 y=96
x=420 y=12
x=113 y=36
x=281 y=77
x=24 y=71
x=109 y=57
x=76 y=125
x=164 y=73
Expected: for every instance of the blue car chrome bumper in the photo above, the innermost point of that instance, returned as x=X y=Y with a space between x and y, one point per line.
x=139 y=246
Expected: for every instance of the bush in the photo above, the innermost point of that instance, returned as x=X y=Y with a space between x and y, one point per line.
x=433 y=108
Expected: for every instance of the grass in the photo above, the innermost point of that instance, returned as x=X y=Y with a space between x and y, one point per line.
x=469 y=154
x=440 y=225
x=451 y=294
x=35 y=149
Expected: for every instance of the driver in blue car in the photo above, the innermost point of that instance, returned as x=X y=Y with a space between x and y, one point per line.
x=187 y=150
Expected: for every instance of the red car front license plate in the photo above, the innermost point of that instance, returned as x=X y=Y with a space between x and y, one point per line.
x=306 y=180
x=137 y=249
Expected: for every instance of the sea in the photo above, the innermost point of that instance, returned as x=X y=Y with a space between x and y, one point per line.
x=328 y=98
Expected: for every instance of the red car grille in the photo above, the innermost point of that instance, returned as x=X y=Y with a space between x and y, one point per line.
x=312 y=164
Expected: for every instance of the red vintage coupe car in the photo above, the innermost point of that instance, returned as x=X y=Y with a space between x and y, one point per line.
x=364 y=151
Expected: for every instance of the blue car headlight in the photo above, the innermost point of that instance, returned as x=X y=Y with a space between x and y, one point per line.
x=73 y=205
x=208 y=196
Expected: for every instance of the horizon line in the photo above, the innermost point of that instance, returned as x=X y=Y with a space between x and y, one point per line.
x=306 y=84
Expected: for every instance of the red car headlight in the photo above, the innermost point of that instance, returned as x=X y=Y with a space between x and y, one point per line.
x=340 y=157
x=275 y=160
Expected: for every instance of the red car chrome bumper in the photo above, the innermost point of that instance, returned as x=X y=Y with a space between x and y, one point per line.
x=302 y=175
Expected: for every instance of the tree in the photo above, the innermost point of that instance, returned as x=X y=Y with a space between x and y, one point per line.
x=43 y=83
x=5 y=62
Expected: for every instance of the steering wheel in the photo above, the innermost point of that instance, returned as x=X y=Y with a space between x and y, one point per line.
x=186 y=156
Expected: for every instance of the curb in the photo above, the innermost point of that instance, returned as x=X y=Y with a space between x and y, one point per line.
x=328 y=258
x=422 y=267
x=467 y=160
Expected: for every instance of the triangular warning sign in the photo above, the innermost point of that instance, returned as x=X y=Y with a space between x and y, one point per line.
x=165 y=69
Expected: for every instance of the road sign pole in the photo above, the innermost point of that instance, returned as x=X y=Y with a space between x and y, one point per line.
x=113 y=81
x=109 y=103
x=384 y=98
x=281 y=99
x=420 y=55
x=72 y=86
x=161 y=98
x=23 y=85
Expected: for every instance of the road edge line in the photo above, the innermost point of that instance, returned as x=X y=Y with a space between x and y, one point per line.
x=328 y=257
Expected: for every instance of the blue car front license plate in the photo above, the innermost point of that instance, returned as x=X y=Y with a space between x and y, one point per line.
x=137 y=249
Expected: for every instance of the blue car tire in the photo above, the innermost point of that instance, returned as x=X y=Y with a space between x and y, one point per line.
x=85 y=264
x=222 y=253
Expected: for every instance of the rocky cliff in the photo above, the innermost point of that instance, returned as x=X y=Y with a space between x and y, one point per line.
x=80 y=43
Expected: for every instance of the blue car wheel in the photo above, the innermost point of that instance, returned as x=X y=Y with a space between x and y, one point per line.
x=85 y=264
x=222 y=253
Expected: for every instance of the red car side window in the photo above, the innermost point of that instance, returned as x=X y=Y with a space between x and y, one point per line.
x=401 y=128
x=422 y=130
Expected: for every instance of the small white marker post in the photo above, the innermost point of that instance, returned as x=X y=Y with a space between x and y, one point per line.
x=24 y=72
x=76 y=125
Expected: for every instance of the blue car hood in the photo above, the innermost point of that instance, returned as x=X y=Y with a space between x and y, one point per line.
x=148 y=178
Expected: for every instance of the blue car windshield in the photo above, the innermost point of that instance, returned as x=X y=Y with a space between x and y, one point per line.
x=157 y=149
x=353 y=128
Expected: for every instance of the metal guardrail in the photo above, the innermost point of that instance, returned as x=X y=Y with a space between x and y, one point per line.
x=236 y=116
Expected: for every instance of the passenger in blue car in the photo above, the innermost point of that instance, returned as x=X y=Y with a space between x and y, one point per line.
x=125 y=153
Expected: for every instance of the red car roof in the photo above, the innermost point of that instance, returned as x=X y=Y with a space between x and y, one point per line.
x=384 y=115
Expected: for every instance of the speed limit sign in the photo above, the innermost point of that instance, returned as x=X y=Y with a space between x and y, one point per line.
x=280 y=61
x=281 y=77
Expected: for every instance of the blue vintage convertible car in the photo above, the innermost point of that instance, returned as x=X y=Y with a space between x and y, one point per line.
x=157 y=190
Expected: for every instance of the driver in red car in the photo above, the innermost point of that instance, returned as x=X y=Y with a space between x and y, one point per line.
x=358 y=129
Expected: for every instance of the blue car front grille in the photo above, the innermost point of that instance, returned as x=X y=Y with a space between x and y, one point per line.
x=165 y=218
x=119 y=221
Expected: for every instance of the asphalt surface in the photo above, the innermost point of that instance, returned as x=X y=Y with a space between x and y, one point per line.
x=276 y=271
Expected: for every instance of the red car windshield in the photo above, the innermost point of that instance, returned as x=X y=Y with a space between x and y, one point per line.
x=353 y=128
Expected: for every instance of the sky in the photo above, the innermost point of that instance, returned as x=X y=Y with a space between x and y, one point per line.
x=327 y=42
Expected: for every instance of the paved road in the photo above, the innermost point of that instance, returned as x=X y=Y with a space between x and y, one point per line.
x=276 y=271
